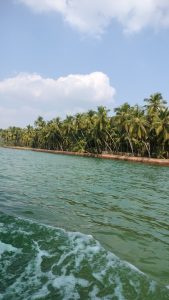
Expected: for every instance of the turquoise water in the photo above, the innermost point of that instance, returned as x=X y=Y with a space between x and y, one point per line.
x=82 y=228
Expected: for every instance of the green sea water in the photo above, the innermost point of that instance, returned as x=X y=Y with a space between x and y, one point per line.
x=82 y=228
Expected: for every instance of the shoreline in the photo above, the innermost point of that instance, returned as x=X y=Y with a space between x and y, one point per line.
x=145 y=160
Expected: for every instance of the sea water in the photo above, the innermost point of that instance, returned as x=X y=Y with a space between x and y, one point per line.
x=82 y=228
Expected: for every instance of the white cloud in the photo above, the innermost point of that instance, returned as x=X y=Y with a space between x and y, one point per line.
x=93 y=16
x=25 y=96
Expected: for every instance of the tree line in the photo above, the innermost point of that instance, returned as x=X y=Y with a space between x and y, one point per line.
x=133 y=130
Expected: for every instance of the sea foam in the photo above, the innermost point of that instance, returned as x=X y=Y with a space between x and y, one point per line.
x=44 y=262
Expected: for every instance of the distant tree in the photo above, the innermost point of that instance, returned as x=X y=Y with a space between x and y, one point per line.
x=133 y=129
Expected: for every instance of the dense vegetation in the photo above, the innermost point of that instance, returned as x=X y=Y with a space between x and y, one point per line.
x=140 y=131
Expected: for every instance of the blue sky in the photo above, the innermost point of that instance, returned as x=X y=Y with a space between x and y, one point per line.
x=59 y=57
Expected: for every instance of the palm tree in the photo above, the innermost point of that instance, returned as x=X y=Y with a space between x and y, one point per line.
x=154 y=104
x=140 y=128
x=161 y=126
x=133 y=129
x=100 y=129
x=125 y=127
x=39 y=123
x=54 y=137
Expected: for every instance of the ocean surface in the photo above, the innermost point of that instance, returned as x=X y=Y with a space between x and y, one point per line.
x=82 y=228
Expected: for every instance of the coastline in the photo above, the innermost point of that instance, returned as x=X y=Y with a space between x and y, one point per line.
x=145 y=160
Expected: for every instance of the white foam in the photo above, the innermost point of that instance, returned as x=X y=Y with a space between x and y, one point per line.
x=67 y=284
x=68 y=254
x=152 y=286
x=93 y=293
x=1 y=296
x=7 y=248
x=32 y=272
x=42 y=293
x=134 y=268
x=118 y=291
x=135 y=285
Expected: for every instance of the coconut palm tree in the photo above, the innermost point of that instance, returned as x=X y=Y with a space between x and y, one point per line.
x=161 y=127
x=133 y=129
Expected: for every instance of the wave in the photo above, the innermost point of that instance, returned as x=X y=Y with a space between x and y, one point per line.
x=43 y=262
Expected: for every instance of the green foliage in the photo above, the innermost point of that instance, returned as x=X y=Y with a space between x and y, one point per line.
x=140 y=131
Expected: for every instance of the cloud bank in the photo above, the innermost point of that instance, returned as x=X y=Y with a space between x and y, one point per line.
x=25 y=96
x=93 y=16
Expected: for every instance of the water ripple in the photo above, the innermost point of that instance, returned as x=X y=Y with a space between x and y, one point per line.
x=123 y=205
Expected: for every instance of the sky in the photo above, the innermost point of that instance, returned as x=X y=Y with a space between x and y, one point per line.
x=61 y=57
